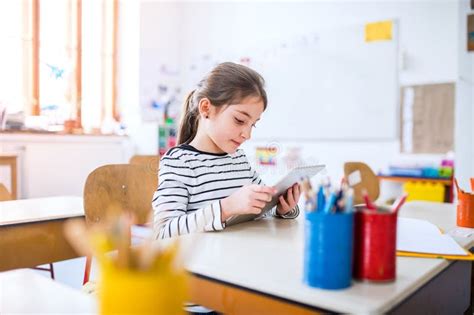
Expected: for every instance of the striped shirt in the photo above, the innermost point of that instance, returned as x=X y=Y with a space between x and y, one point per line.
x=191 y=185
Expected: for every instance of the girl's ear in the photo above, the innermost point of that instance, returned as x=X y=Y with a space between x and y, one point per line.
x=204 y=107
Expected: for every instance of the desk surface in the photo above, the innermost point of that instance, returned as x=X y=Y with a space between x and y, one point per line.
x=40 y=209
x=264 y=256
x=25 y=291
x=32 y=231
x=267 y=256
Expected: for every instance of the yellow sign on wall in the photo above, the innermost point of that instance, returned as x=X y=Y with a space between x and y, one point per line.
x=378 y=31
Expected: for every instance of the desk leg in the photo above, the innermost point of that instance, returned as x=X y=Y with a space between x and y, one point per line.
x=14 y=181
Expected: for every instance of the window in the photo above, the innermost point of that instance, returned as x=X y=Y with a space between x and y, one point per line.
x=49 y=49
x=57 y=66
x=99 y=54
x=16 y=42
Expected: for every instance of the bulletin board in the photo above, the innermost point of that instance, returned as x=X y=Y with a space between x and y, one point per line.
x=427 y=118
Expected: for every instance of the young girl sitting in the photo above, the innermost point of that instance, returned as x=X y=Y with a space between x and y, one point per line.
x=207 y=179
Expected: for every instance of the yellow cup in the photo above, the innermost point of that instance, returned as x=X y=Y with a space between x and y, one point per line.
x=158 y=290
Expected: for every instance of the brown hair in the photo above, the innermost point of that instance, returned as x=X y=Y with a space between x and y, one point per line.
x=227 y=83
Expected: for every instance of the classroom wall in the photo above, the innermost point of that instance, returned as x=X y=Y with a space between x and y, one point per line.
x=464 y=115
x=218 y=26
x=128 y=59
x=428 y=43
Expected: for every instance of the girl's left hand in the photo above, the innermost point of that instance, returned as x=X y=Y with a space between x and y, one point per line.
x=287 y=204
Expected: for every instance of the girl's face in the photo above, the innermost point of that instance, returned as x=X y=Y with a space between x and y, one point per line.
x=229 y=126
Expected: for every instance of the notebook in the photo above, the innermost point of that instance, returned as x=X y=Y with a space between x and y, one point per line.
x=421 y=238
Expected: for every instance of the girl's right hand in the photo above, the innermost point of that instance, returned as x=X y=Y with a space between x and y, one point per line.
x=247 y=199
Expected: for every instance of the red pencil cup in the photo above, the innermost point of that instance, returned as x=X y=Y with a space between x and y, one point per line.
x=375 y=244
x=465 y=209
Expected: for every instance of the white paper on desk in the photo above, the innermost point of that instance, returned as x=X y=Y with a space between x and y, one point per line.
x=420 y=236
x=461 y=232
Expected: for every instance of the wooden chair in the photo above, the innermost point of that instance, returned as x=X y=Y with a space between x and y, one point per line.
x=129 y=188
x=365 y=179
x=4 y=193
x=150 y=161
x=6 y=196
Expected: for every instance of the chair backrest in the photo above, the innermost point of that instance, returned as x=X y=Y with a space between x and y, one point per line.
x=150 y=161
x=365 y=178
x=4 y=193
x=119 y=188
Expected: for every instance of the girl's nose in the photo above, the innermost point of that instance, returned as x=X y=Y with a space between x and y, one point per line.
x=246 y=133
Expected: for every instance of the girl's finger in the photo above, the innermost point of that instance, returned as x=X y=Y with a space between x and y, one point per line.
x=283 y=203
x=291 y=199
x=264 y=189
x=258 y=204
x=297 y=193
x=255 y=210
x=263 y=197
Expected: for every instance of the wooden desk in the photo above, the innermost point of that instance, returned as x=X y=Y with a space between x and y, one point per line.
x=446 y=182
x=31 y=231
x=25 y=291
x=11 y=160
x=257 y=267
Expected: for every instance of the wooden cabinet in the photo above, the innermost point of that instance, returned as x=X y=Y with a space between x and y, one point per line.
x=52 y=165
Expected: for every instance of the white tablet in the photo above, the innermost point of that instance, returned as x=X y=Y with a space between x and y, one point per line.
x=296 y=175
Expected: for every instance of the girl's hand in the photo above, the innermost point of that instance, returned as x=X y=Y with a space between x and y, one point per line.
x=287 y=204
x=247 y=199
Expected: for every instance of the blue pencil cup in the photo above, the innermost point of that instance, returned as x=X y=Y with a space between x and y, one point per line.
x=328 y=250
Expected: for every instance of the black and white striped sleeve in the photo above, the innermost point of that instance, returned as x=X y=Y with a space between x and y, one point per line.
x=292 y=214
x=171 y=217
x=255 y=178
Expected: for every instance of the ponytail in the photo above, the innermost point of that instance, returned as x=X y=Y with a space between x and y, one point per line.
x=189 y=120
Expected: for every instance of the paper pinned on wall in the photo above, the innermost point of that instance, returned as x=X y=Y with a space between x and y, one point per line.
x=378 y=31
x=266 y=155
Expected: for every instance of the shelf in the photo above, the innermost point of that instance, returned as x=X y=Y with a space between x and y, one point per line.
x=402 y=179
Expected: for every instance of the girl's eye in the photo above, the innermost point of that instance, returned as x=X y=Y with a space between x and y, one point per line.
x=240 y=122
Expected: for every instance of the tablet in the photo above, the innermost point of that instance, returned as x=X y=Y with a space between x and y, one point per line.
x=296 y=175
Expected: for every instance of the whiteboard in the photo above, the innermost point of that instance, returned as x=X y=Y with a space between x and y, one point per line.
x=336 y=87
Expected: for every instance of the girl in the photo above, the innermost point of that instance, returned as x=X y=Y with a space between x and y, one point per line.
x=206 y=179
